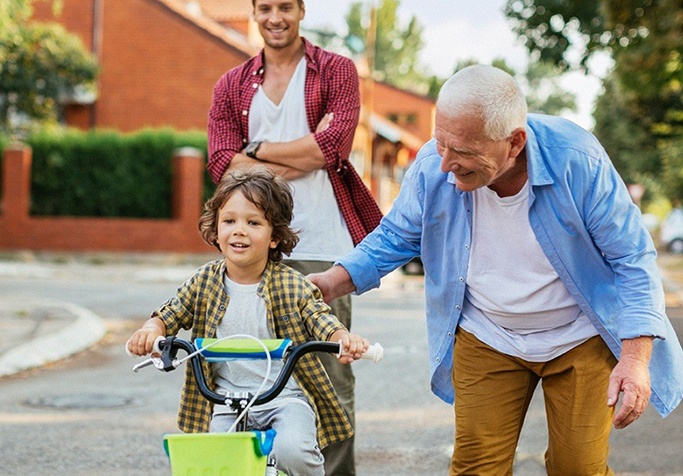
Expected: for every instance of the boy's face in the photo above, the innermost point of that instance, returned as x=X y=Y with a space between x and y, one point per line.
x=245 y=238
x=278 y=21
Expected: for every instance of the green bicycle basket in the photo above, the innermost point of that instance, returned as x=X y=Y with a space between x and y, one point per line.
x=219 y=454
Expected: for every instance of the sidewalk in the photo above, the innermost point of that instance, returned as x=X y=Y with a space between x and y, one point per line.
x=35 y=332
x=42 y=331
x=39 y=332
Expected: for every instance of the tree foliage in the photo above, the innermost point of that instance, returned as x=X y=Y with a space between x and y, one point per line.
x=639 y=119
x=540 y=83
x=625 y=135
x=40 y=66
x=397 y=45
x=554 y=30
x=544 y=93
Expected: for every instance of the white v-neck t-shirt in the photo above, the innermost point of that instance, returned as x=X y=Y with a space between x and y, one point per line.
x=515 y=301
x=323 y=234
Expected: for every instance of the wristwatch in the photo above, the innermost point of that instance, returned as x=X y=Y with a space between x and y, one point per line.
x=252 y=148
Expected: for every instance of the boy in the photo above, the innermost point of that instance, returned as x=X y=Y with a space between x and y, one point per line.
x=251 y=292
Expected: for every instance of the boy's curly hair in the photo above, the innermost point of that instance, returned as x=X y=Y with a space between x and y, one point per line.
x=268 y=192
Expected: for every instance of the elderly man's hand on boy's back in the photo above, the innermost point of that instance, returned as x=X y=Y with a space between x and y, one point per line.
x=333 y=283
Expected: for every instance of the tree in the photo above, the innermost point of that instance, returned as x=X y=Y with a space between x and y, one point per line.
x=540 y=84
x=672 y=167
x=40 y=65
x=555 y=30
x=397 y=47
x=625 y=135
x=544 y=94
x=641 y=112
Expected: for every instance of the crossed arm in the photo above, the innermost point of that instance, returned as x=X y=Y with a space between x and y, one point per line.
x=289 y=160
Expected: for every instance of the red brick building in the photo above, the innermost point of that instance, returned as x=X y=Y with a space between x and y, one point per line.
x=160 y=59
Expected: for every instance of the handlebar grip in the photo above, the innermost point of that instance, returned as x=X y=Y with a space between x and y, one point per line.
x=157 y=344
x=375 y=352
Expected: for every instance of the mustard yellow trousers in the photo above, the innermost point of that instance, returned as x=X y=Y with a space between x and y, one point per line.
x=492 y=395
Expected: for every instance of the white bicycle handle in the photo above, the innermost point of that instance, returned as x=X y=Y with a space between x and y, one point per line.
x=375 y=352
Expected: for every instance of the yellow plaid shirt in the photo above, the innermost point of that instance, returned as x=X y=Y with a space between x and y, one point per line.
x=296 y=311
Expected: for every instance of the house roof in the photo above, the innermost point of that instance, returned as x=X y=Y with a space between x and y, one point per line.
x=395 y=133
x=222 y=10
x=209 y=24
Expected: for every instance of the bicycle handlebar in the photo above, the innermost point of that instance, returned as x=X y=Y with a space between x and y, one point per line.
x=168 y=348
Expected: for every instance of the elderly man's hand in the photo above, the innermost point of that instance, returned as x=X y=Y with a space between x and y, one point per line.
x=631 y=377
x=333 y=283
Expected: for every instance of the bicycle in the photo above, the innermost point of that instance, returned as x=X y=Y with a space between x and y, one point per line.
x=237 y=452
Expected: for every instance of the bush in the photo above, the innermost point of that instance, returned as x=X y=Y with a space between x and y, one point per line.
x=4 y=140
x=105 y=173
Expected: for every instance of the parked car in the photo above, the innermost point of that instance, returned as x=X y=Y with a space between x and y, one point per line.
x=671 y=231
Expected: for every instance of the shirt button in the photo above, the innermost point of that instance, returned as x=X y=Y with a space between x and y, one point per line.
x=467 y=247
x=221 y=307
x=461 y=279
x=438 y=359
x=245 y=112
x=255 y=85
x=244 y=141
x=450 y=334
x=458 y=307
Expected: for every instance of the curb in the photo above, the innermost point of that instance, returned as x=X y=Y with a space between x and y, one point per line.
x=84 y=330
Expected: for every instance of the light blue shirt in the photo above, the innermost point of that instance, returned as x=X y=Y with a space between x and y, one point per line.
x=586 y=224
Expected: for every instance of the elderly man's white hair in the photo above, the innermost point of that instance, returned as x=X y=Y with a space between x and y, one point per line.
x=486 y=92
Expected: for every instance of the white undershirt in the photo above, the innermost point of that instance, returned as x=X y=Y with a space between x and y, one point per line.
x=246 y=314
x=515 y=301
x=323 y=233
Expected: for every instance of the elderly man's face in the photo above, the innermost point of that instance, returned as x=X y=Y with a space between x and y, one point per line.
x=474 y=160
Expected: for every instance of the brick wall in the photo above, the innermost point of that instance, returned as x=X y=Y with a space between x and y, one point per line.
x=21 y=231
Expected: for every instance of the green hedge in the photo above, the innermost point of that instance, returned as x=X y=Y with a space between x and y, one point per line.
x=3 y=143
x=107 y=174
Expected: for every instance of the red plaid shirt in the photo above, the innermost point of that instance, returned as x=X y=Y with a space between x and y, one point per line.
x=331 y=86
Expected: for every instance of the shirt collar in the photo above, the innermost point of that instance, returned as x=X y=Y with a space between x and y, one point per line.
x=266 y=278
x=537 y=170
x=309 y=54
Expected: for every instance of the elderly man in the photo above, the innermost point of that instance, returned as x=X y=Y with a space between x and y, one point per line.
x=537 y=268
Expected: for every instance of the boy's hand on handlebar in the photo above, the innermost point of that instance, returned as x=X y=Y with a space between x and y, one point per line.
x=352 y=345
x=142 y=341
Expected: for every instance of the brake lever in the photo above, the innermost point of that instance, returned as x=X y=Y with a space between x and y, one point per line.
x=156 y=361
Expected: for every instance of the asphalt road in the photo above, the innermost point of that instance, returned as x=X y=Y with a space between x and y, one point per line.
x=91 y=415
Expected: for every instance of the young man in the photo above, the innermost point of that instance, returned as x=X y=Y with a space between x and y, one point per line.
x=295 y=107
